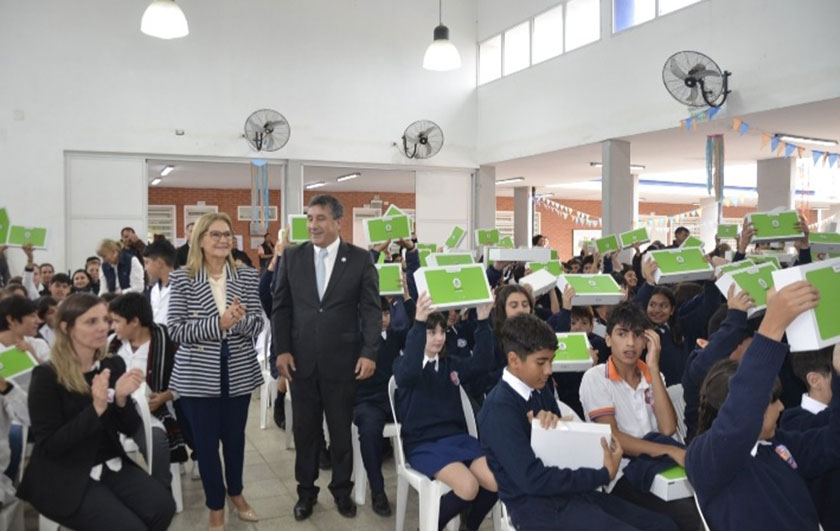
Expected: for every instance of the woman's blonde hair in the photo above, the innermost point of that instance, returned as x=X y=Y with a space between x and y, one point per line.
x=108 y=245
x=63 y=356
x=195 y=258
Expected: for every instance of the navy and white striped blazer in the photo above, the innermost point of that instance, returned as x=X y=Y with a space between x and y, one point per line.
x=193 y=321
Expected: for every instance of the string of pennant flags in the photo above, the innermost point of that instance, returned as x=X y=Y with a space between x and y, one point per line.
x=821 y=224
x=567 y=212
x=664 y=221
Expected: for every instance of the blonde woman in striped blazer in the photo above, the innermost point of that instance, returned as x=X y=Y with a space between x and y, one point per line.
x=215 y=315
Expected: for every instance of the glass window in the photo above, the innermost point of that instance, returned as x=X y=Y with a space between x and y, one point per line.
x=583 y=23
x=490 y=60
x=548 y=34
x=628 y=13
x=517 y=48
x=666 y=6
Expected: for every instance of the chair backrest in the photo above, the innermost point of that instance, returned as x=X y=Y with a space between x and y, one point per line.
x=700 y=512
x=675 y=393
x=263 y=344
x=566 y=410
x=142 y=405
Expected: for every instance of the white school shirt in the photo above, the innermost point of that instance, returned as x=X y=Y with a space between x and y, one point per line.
x=159 y=297
x=137 y=359
x=811 y=405
x=332 y=253
x=521 y=388
x=427 y=360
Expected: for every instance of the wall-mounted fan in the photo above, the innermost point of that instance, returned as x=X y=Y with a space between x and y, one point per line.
x=267 y=130
x=695 y=79
x=422 y=140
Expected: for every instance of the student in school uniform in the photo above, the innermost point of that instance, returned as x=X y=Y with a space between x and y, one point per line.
x=630 y=396
x=82 y=282
x=540 y=497
x=434 y=429
x=746 y=473
x=159 y=262
x=60 y=285
x=92 y=266
x=47 y=311
x=19 y=325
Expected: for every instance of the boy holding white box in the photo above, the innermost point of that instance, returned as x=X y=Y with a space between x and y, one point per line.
x=537 y=496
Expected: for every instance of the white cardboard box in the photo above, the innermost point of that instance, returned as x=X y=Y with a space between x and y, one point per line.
x=541 y=282
x=671 y=489
x=687 y=274
x=804 y=332
x=532 y=254
x=727 y=279
x=592 y=298
x=570 y=445
x=460 y=258
x=463 y=286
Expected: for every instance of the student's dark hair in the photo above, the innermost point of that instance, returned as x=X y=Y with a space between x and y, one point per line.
x=47 y=264
x=715 y=389
x=685 y=291
x=583 y=312
x=625 y=268
x=587 y=260
x=327 y=200
x=61 y=278
x=818 y=361
x=44 y=305
x=91 y=259
x=383 y=302
x=721 y=250
x=619 y=278
x=536 y=239
x=673 y=322
x=433 y=321
x=109 y=296
x=12 y=287
x=127 y=228
x=716 y=320
x=15 y=308
x=682 y=230
x=502 y=294
x=163 y=249
x=629 y=316
x=131 y=305
x=525 y=334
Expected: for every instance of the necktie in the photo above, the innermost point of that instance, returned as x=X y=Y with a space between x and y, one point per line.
x=321 y=272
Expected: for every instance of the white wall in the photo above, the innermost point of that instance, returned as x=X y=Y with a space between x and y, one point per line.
x=347 y=75
x=780 y=53
x=443 y=199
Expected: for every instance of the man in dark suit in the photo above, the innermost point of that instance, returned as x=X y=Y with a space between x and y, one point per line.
x=326 y=322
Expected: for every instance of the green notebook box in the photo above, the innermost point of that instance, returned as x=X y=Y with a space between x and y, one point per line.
x=631 y=237
x=734 y=266
x=390 y=279
x=572 y=354
x=727 y=232
x=755 y=280
x=821 y=242
x=16 y=363
x=681 y=265
x=775 y=226
x=506 y=243
x=300 y=228
x=554 y=255
x=600 y=290
x=454 y=287
x=4 y=226
x=20 y=236
x=449 y=259
x=393 y=211
x=820 y=327
x=487 y=237
x=555 y=267
x=455 y=237
x=692 y=241
x=761 y=259
x=784 y=257
x=608 y=244
x=424 y=250
x=672 y=484
x=380 y=230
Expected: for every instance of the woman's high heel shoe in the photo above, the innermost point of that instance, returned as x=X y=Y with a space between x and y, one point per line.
x=246 y=516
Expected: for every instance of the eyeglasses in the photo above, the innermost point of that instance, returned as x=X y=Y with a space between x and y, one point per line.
x=218 y=236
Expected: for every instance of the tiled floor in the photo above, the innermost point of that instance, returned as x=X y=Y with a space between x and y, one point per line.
x=270 y=489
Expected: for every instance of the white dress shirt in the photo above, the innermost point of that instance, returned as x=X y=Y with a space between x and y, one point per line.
x=811 y=405
x=427 y=360
x=521 y=388
x=332 y=253
x=159 y=296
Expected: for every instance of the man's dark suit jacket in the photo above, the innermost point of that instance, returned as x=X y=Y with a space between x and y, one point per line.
x=328 y=335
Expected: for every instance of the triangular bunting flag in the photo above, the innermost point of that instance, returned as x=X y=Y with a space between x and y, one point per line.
x=774 y=143
x=816 y=156
x=743 y=129
x=713 y=111
x=687 y=123
x=765 y=140
x=736 y=124
x=789 y=149
x=832 y=159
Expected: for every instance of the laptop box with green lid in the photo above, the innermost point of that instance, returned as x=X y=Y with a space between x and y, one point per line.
x=424 y=250
x=34 y=236
x=727 y=232
x=692 y=241
x=755 y=280
x=820 y=327
x=766 y=259
x=487 y=237
x=607 y=244
x=599 y=290
x=382 y=229
x=390 y=279
x=734 y=266
x=681 y=265
x=572 y=354
x=672 y=484
x=449 y=259
x=16 y=364
x=455 y=237
x=522 y=254
x=541 y=282
x=555 y=267
x=298 y=228
x=824 y=242
x=775 y=226
x=631 y=237
x=783 y=256
x=454 y=287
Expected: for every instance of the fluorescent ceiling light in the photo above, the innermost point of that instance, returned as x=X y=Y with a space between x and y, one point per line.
x=348 y=177
x=166 y=170
x=510 y=180
x=165 y=20
x=156 y=181
x=636 y=167
x=311 y=186
x=806 y=140
x=545 y=194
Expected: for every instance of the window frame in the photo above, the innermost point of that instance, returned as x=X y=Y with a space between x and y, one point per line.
x=656 y=15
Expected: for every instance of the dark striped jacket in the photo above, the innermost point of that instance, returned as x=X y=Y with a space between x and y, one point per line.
x=193 y=322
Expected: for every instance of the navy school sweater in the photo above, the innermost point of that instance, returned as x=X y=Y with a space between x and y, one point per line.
x=739 y=491
x=505 y=434
x=375 y=388
x=429 y=402
x=694 y=315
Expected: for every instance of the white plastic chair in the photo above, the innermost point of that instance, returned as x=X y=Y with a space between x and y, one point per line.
x=359 y=472
x=287 y=407
x=428 y=490
x=11 y=515
x=675 y=392
x=268 y=390
x=506 y=524
x=566 y=410
x=700 y=512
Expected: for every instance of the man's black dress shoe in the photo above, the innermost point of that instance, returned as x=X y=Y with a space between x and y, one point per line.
x=303 y=508
x=346 y=506
x=380 y=504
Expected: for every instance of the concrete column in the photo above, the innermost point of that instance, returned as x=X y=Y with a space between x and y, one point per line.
x=484 y=199
x=523 y=216
x=776 y=183
x=709 y=219
x=291 y=197
x=619 y=189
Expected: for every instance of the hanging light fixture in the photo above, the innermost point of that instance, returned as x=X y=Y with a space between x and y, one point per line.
x=165 y=20
x=441 y=55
